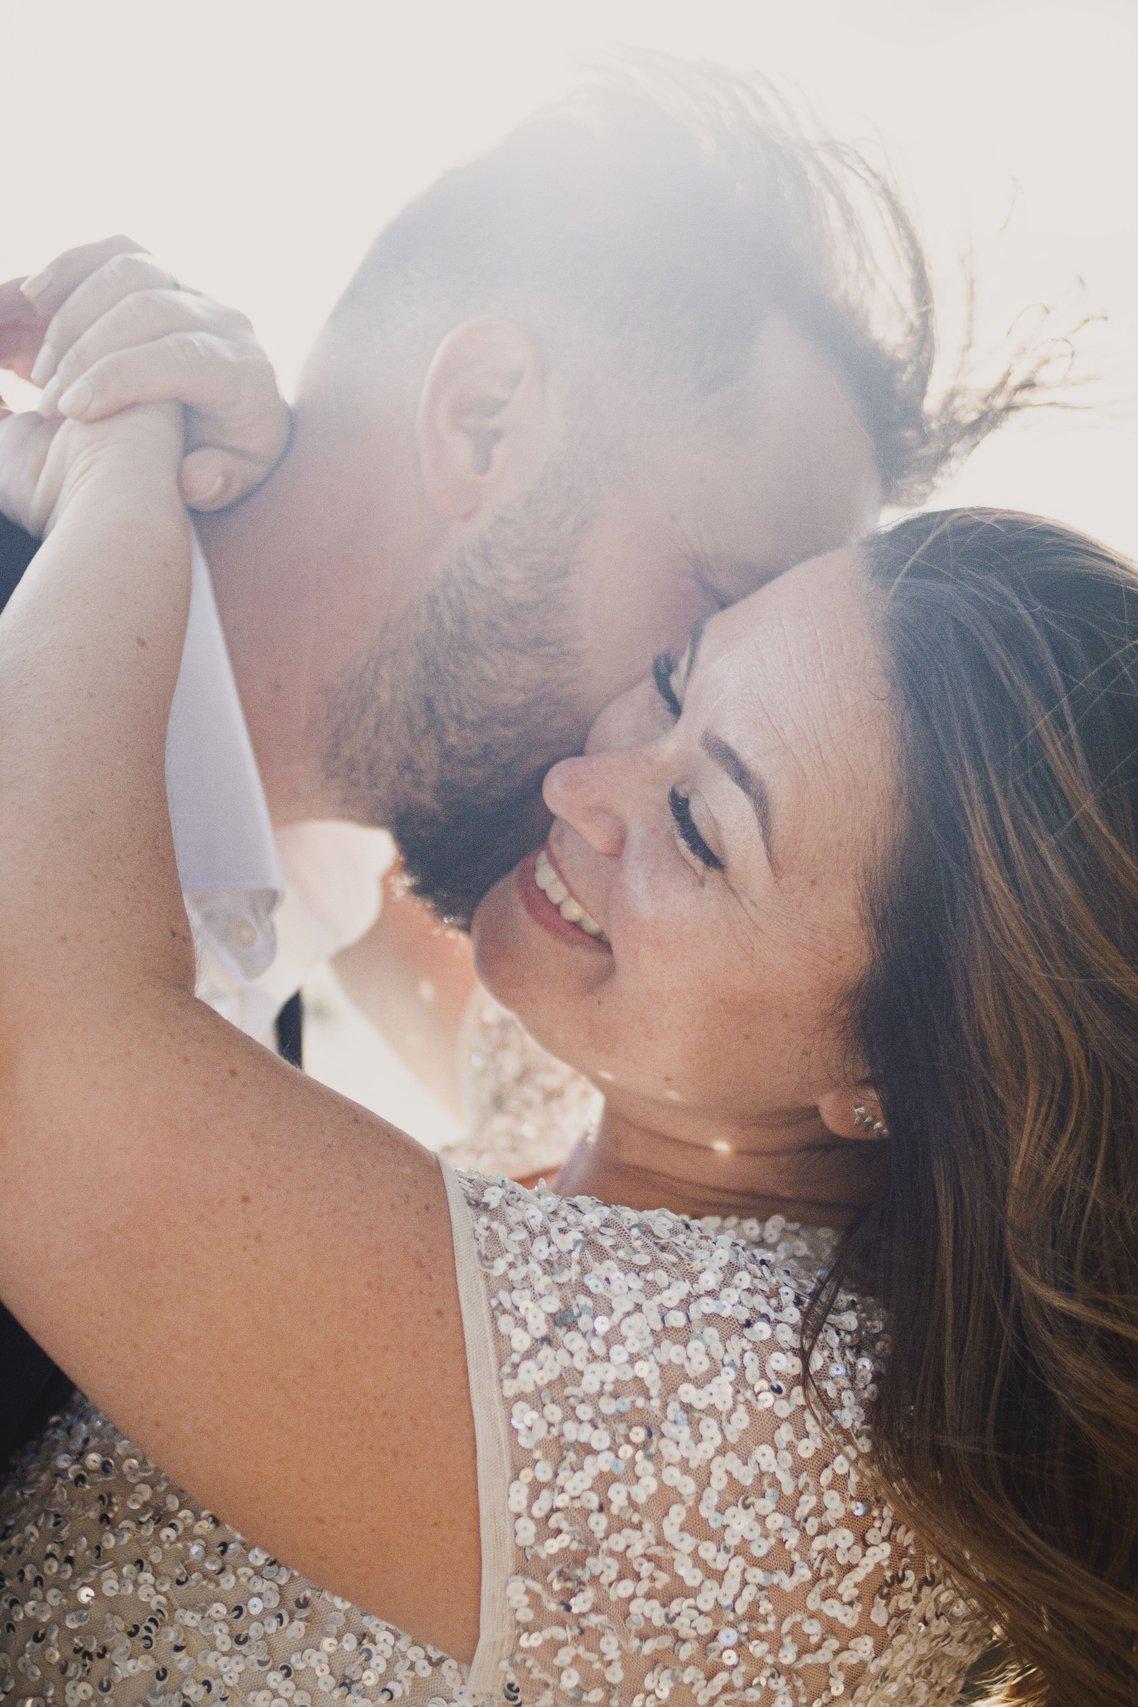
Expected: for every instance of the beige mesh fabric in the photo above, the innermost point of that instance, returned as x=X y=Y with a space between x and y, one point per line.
x=523 y=1110
x=663 y=1519
x=116 y=1586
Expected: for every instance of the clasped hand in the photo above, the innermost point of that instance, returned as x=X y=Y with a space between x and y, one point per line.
x=142 y=381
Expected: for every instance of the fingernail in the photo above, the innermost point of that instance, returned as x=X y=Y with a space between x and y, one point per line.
x=44 y=365
x=46 y=404
x=200 y=496
x=36 y=285
x=78 y=398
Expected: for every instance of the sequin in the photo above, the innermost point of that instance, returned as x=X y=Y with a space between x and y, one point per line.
x=673 y=1524
x=523 y=1110
x=632 y=1539
x=138 y=1618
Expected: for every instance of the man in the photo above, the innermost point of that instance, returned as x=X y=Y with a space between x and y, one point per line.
x=651 y=350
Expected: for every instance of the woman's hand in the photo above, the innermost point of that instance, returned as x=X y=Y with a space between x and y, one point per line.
x=105 y=326
x=48 y=466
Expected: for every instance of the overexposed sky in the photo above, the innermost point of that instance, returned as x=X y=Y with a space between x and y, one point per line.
x=258 y=146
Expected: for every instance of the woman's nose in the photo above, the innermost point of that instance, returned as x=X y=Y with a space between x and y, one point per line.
x=586 y=792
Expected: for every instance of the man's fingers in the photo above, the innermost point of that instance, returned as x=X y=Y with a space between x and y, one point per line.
x=21 y=330
x=207 y=373
x=119 y=278
x=141 y=318
x=195 y=368
x=14 y=305
x=48 y=289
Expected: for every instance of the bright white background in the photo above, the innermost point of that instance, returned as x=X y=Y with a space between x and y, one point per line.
x=257 y=148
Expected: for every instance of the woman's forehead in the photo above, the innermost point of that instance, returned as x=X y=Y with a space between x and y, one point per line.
x=819 y=585
x=807 y=635
x=793 y=678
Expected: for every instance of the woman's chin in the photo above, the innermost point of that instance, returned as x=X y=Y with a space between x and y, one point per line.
x=512 y=960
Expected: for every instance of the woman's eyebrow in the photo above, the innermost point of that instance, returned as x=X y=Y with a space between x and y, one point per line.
x=752 y=784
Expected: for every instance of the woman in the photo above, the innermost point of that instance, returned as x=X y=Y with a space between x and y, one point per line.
x=839 y=911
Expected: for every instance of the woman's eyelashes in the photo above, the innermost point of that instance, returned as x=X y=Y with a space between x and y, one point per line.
x=680 y=808
x=663 y=669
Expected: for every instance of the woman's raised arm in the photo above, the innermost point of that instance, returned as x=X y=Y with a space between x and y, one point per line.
x=89 y=653
x=250 y=1275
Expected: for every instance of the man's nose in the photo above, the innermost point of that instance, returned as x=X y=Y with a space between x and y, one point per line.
x=591 y=793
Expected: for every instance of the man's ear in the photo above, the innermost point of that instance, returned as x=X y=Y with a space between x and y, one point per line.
x=853 y=1112
x=483 y=423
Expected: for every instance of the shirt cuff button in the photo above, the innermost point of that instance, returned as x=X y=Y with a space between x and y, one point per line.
x=243 y=933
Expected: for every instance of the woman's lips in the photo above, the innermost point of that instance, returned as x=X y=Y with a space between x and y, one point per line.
x=543 y=912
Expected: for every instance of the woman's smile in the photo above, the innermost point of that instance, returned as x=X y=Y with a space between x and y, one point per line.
x=551 y=903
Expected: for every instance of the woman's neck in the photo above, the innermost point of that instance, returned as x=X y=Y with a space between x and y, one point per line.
x=795 y=1169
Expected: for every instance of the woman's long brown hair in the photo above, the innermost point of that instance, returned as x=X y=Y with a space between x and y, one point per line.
x=999 y=1021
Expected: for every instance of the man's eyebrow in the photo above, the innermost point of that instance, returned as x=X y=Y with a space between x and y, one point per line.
x=750 y=782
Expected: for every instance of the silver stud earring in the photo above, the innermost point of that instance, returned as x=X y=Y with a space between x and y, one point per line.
x=862 y=1117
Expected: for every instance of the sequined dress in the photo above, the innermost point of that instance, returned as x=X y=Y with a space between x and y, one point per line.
x=661 y=1517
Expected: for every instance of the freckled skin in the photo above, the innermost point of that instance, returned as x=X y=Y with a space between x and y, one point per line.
x=712 y=1015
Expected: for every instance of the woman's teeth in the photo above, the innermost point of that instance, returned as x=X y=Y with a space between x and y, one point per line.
x=567 y=905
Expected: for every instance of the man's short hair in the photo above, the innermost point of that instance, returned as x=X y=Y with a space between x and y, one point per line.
x=663 y=212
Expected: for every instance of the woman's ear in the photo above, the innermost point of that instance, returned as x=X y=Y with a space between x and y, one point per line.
x=853 y=1112
x=483 y=425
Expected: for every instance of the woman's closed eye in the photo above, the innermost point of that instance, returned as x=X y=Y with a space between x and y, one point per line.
x=680 y=807
x=663 y=669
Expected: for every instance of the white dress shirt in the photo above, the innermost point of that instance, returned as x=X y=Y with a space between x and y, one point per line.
x=266 y=909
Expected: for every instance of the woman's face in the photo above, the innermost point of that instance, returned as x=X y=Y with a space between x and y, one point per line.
x=718 y=829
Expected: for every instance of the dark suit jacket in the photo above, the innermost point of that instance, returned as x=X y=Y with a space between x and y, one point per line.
x=31 y=1387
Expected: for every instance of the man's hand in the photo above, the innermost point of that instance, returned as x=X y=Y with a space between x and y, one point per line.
x=105 y=326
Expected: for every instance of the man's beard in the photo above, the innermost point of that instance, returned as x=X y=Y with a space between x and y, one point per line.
x=444 y=732
x=454 y=851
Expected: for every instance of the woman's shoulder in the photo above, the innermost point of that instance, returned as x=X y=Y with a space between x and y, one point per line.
x=722 y=1292
x=685 y=1323
x=668 y=1478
